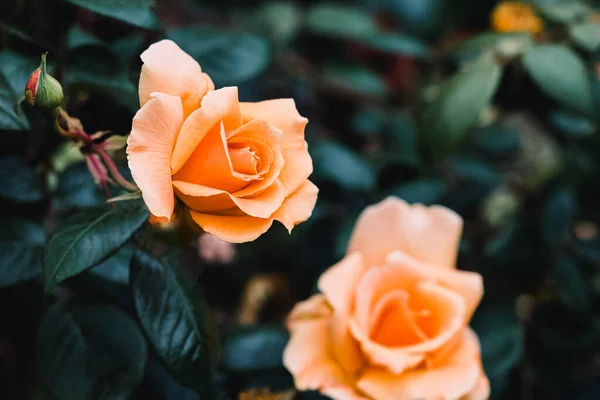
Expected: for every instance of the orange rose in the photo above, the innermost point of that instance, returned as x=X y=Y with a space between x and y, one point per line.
x=392 y=320
x=236 y=166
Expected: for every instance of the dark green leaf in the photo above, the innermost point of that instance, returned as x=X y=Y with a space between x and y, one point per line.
x=342 y=166
x=563 y=11
x=547 y=65
x=14 y=73
x=501 y=340
x=368 y=121
x=423 y=18
x=176 y=319
x=76 y=188
x=354 y=79
x=498 y=141
x=572 y=287
x=229 y=58
x=426 y=191
x=402 y=134
x=341 y=21
x=279 y=20
x=572 y=125
x=458 y=106
x=90 y=353
x=396 y=43
x=557 y=217
x=21 y=244
x=116 y=268
x=20 y=182
x=254 y=348
x=586 y=36
x=134 y=12
x=89 y=237
x=512 y=43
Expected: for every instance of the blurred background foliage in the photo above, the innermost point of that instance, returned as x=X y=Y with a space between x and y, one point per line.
x=426 y=100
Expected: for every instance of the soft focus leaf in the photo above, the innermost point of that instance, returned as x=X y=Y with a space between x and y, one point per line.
x=571 y=284
x=90 y=353
x=586 y=36
x=572 y=125
x=563 y=11
x=116 y=268
x=254 y=348
x=14 y=73
x=395 y=43
x=425 y=191
x=229 y=58
x=557 y=217
x=547 y=65
x=458 y=105
x=176 y=320
x=279 y=20
x=20 y=182
x=134 y=12
x=497 y=141
x=354 y=79
x=505 y=43
x=343 y=21
x=21 y=246
x=76 y=188
x=89 y=237
x=342 y=166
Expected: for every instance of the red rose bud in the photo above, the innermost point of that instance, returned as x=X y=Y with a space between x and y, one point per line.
x=43 y=91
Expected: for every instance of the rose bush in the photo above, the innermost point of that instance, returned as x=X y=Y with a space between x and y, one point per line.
x=392 y=320
x=236 y=166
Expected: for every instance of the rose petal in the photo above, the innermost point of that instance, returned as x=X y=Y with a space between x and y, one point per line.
x=149 y=147
x=428 y=234
x=447 y=318
x=233 y=229
x=217 y=106
x=339 y=282
x=468 y=284
x=210 y=165
x=298 y=206
x=170 y=70
x=282 y=113
x=456 y=377
x=307 y=354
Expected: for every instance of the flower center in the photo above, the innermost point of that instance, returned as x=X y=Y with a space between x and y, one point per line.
x=244 y=159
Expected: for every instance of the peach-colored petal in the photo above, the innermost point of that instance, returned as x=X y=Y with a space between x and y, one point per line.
x=468 y=284
x=307 y=355
x=210 y=165
x=481 y=391
x=149 y=147
x=219 y=106
x=233 y=229
x=283 y=114
x=345 y=349
x=339 y=282
x=298 y=206
x=447 y=316
x=170 y=70
x=205 y=199
x=428 y=234
x=455 y=378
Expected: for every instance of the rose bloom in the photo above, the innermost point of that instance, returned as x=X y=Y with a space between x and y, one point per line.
x=236 y=166
x=512 y=16
x=392 y=320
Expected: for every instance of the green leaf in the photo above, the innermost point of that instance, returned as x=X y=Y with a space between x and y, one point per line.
x=557 y=217
x=76 y=188
x=336 y=162
x=368 y=121
x=229 y=58
x=342 y=21
x=512 y=43
x=572 y=125
x=498 y=141
x=572 y=287
x=279 y=21
x=176 y=320
x=20 y=182
x=456 y=110
x=354 y=79
x=21 y=244
x=564 y=11
x=90 y=353
x=547 y=65
x=254 y=348
x=89 y=237
x=398 y=44
x=586 y=36
x=116 y=268
x=134 y=12
x=14 y=73
x=425 y=191
x=402 y=138
x=501 y=340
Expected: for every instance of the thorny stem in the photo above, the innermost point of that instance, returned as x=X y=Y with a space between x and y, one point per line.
x=78 y=134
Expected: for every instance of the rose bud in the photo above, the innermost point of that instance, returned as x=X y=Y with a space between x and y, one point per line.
x=42 y=90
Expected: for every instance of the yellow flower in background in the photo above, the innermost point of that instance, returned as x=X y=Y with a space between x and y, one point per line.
x=513 y=16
